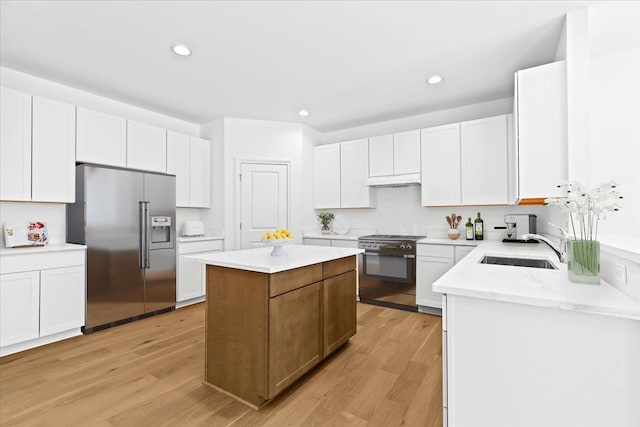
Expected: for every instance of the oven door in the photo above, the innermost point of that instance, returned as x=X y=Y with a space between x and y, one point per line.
x=400 y=268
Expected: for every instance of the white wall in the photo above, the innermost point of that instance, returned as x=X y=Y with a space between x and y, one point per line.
x=603 y=77
x=244 y=139
x=55 y=214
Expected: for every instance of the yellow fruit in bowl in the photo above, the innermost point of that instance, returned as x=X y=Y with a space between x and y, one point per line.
x=279 y=233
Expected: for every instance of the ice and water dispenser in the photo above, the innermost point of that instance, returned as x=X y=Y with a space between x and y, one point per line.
x=161 y=232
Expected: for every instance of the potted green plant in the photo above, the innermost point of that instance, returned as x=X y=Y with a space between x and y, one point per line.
x=325 y=219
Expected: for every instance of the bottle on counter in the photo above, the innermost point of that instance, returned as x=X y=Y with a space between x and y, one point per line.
x=469 y=229
x=479 y=228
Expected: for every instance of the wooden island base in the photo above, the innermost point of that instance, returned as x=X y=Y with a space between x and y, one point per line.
x=264 y=331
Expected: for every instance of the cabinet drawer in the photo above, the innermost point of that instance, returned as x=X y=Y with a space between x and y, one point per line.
x=317 y=242
x=42 y=261
x=344 y=244
x=289 y=280
x=202 y=246
x=442 y=251
x=338 y=266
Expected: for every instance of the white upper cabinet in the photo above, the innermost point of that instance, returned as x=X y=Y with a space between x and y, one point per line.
x=354 y=170
x=441 y=165
x=381 y=155
x=541 y=130
x=101 y=138
x=38 y=148
x=394 y=154
x=326 y=176
x=178 y=165
x=189 y=159
x=15 y=145
x=484 y=168
x=467 y=163
x=54 y=151
x=146 y=147
x=199 y=173
x=406 y=152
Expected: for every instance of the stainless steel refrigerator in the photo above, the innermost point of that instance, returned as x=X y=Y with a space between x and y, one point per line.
x=127 y=220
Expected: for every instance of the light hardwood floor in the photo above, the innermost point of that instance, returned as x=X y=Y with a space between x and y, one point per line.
x=150 y=373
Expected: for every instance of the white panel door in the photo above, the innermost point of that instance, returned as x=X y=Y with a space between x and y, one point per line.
x=406 y=152
x=441 y=165
x=178 y=165
x=15 y=145
x=101 y=138
x=381 y=155
x=146 y=147
x=62 y=301
x=354 y=170
x=19 y=304
x=54 y=151
x=484 y=161
x=199 y=173
x=326 y=176
x=542 y=129
x=428 y=270
x=265 y=200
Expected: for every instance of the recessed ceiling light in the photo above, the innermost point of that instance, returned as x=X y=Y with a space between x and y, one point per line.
x=434 y=80
x=303 y=113
x=181 y=50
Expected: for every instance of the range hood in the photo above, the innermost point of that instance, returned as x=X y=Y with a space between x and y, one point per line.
x=394 y=180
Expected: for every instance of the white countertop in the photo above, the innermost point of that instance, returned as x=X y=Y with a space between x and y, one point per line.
x=459 y=242
x=186 y=239
x=52 y=247
x=532 y=286
x=260 y=259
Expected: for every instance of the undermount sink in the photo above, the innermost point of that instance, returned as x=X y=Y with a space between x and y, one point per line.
x=518 y=262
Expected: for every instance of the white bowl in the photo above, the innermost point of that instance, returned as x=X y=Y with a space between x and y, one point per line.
x=278 y=245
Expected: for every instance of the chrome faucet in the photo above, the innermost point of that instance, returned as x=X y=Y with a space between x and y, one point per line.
x=561 y=251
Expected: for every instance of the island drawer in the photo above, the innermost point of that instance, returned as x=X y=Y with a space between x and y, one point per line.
x=289 y=280
x=338 y=266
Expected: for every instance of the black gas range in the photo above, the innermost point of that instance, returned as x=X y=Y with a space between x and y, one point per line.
x=388 y=270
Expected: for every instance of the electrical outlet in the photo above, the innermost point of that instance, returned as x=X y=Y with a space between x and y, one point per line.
x=620 y=273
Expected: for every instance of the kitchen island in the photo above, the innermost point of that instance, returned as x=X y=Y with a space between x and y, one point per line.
x=524 y=346
x=270 y=319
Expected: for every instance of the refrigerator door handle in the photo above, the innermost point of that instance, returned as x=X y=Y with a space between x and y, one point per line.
x=147 y=243
x=141 y=235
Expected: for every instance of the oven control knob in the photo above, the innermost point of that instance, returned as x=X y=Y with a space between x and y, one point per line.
x=401 y=246
x=409 y=246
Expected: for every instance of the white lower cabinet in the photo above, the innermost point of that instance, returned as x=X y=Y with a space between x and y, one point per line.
x=19 y=307
x=191 y=284
x=433 y=260
x=42 y=298
x=62 y=299
x=428 y=270
x=336 y=243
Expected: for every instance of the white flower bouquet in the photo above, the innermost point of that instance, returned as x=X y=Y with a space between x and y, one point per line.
x=586 y=208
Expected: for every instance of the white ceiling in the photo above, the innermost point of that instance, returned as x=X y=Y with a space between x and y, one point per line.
x=349 y=63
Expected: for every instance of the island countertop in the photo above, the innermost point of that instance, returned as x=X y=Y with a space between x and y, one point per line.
x=532 y=286
x=260 y=259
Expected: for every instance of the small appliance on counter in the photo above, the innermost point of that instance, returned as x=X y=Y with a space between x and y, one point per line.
x=193 y=229
x=518 y=225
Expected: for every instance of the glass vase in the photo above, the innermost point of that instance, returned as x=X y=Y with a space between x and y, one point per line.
x=584 y=261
